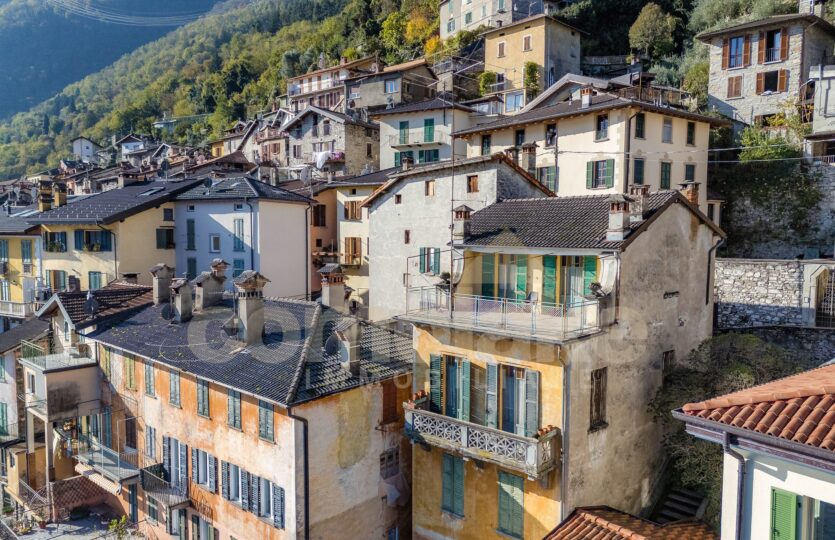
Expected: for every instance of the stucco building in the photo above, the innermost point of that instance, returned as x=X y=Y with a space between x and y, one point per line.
x=534 y=370
x=325 y=88
x=470 y=15
x=391 y=86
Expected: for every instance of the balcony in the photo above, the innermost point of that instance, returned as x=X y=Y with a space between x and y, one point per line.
x=772 y=54
x=334 y=156
x=658 y=96
x=534 y=457
x=417 y=137
x=11 y=433
x=268 y=134
x=17 y=310
x=116 y=466
x=514 y=318
x=350 y=259
x=59 y=385
x=168 y=495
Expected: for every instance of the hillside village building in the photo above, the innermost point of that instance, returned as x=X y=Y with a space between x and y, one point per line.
x=325 y=88
x=470 y=15
x=392 y=86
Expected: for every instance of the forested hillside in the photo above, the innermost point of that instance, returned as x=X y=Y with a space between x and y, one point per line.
x=44 y=47
x=233 y=64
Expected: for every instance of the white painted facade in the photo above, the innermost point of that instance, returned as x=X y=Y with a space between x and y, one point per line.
x=446 y=121
x=84 y=149
x=274 y=240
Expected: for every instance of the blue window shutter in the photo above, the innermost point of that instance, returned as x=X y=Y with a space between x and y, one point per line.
x=255 y=500
x=423 y=259
x=212 y=473
x=488 y=275
x=183 y=464
x=106 y=241
x=464 y=409
x=436 y=260
x=521 y=277
x=458 y=486
x=224 y=480
x=79 y=240
x=492 y=412
x=531 y=402
x=195 y=477
x=549 y=280
x=435 y=382
x=447 y=483
x=244 y=488
x=166 y=459
x=278 y=506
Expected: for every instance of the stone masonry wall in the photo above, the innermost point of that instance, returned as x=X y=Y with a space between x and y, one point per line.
x=757 y=292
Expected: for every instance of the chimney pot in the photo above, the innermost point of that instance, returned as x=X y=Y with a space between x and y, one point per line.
x=585 y=97
x=349 y=347
x=405 y=163
x=639 y=194
x=181 y=291
x=333 y=287
x=162 y=276
x=619 y=218
x=249 y=288
x=690 y=190
x=529 y=153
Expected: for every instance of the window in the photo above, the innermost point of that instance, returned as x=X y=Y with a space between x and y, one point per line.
x=736 y=48
x=689 y=172
x=500 y=49
x=5 y=291
x=511 y=504
x=238 y=239
x=2 y=368
x=429 y=156
x=353 y=210
x=369 y=150
x=191 y=244
x=392 y=86
x=398 y=199
x=803 y=518
x=130 y=372
x=527 y=43
x=237 y=267
x=550 y=134
x=771 y=46
x=150 y=387
x=191 y=267
x=238 y=207
x=514 y=101
x=598 y=399
x=297 y=151
x=452 y=487
x=407 y=236
x=401 y=157
x=468 y=18
x=105 y=361
x=691 y=133
x=472 y=183
x=600 y=174
x=168 y=214
x=638 y=174
x=203 y=397
x=772 y=81
x=735 y=86
x=265 y=420
x=519 y=138
x=232 y=478
x=429 y=188
x=667 y=130
x=93 y=241
x=4 y=419
x=601 y=127
x=486 y=143
x=26 y=255
x=165 y=238
x=150 y=441
x=53 y=242
x=94 y=280
x=233 y=409
x=174 y=388
x=640 y=126
x=547 y=176
x=4 y=250
x=319 y=215
x=430 y=260
x=353 y=250
x=204 y=469
x=390 y=463
x=450 y=26
x=214 y=243
x=190 y=208
x=666 y=173
x=153 y=512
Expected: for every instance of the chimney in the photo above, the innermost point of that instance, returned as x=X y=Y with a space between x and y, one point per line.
x=125 y=180
x=585 y=97
x=405 y=163
x=349 y=347
x=162 y=275
x=249 y=289
x=529 y=155
x=690 y=190
x=639 y=194
x=181 y=293
x=461 y=222
x=131 y=277
x=208 y=286
x=59 y=194
x=333 y=287
x=512 y=154
x=619 y=219
x=44 y=195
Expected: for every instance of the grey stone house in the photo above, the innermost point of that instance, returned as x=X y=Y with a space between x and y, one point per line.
x=394 y=85
x=332 y=142
x=759 y=68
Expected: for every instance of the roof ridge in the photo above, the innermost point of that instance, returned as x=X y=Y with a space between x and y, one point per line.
x=297 y=376
x=615 y=528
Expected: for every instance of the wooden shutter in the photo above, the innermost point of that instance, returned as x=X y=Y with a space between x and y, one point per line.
x=761 y=47
x=746 y=51
x=726 y=53
x=492 y=413
x=423 y=259
x=183 y=464
x=255 y=499
x=436 y=366
x=782 y=80
x=464 y=409
x=610 y=173
x=224 y=480
x=760 y=83
x=589 y=273
x=244 y=489
x=784 y=43
x=589 y=174
x=521 y=277
x=79 y=240
x=278 y=506
x=447 y=481
x=488 y=275
x=549 y=279
x=212 y=473
x=783 y=515
x=195 y=469
x=458 y=487
x=436 y=260
x=531 y=402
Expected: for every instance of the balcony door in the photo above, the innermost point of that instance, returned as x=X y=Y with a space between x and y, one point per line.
x=513 y=276
x=571 y=280
x=513 y=400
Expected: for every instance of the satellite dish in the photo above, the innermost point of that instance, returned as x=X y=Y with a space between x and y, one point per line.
x=305 y=175
x=332 y=345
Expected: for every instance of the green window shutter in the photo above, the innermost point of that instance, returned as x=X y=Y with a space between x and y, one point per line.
x=435 y=382
x=610 y=173
x=589 y=273
x=397 y=159
x=161 y=244
x=511 y=504
x=436 y=261
x=404 y=132
x=458 y=487
x=423 y=259
x=639 y=125
x=689 y=172
x=639 y=171
x=531 y=402
x=428 y=129
x=589 y=174
x=488 y=275
x=783 y=515
x=447 y=483
x=521 y=277
x=549 y=280
x=665 y=175
x=492 y=413
x=195 y=527
x=464 y=409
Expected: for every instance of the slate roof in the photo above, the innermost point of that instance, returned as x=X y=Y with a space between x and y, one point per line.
x=29 y=330
x=15 y=223
x=423 y=106
x=604 y=523
x=288 y=368
x=799 y=408
x=241 y=187
x=807 y=18
x=375 y=178
x=116 y=300
x=115 y=204
x=573 y=222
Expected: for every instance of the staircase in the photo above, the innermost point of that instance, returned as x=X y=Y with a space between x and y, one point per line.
x=679 y=504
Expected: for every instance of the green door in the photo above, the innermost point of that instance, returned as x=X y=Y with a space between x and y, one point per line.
x=429 y=130
x=404 y=132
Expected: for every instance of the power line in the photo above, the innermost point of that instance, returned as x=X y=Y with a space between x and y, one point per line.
x=86 y=9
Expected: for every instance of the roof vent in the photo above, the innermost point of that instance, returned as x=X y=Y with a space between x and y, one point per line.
x=619 y=218
x=249 y=289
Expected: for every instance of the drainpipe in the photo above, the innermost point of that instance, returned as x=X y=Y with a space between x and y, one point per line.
x=710 y=254
x=566 y=416
x=251 y=233
x=306 y=255
x=306 y=472
x=740 y=483
x=627 y=150
x=115 y=253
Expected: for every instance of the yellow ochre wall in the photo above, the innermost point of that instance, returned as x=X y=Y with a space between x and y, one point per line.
x=16 y=275
x=481 y=504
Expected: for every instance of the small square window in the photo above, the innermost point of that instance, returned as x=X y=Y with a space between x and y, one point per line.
x=319 y=242
x=668 y=361
x=239 y=207
x=398 y=199
x=168 y=214
x=407 y=236
x=190 y=208
x=472 y=183
x=527 y=43
x=429 y=188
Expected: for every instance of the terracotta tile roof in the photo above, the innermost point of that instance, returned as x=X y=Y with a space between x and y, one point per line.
x=604 y=523
x=799 y=408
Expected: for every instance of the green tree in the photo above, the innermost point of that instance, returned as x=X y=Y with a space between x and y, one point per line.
x=695 y=82
x=531 y=79
x=652 y=32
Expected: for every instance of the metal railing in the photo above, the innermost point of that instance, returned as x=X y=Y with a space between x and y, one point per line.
x=20 y=310
x=530 y=318
x=417 y=137
x=10 y=432
x=65 y=359
x=651 y=94
x=115 y=465
x=531 y=456
x=773 y=54
x=163 y=491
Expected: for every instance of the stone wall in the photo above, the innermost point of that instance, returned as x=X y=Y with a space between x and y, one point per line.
x=758 y=292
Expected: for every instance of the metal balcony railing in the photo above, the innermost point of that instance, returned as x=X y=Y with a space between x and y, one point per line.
x=62 y=360
x=11 y=432
x=534 y=457
x=519 y=317
x=117 y=466
x=658 y=96
x=20 y=310
x=772 y=54
x=417 y=137
x=163 y=491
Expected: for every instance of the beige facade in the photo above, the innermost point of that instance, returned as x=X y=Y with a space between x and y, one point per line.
x=354 y=232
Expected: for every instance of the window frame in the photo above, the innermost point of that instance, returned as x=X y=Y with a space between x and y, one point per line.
x=601 y=127
x=174 y=398
x=736 y=61
x=214 y=238
x=266 y=411
x=667 y=134
x=597 y=399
